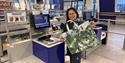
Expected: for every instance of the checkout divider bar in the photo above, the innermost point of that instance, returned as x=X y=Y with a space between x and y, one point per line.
x=111 y=20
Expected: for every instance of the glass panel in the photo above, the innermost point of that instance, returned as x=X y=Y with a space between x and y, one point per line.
x=120 y=5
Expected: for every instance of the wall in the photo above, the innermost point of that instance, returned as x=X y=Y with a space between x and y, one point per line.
x=107 y=6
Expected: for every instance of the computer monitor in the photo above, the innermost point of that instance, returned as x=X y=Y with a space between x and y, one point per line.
x=41 y=21
x=87 y=15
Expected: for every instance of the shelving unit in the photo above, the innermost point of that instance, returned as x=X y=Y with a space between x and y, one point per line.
x=4 y=43
x=14 y=33
x=3 y=32
x=2 y=15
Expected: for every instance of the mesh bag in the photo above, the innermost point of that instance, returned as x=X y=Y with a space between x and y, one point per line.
x=79 y=39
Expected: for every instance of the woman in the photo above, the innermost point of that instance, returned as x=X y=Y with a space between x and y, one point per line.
x=71 y=14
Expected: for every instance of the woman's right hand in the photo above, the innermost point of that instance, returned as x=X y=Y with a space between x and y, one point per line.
x=61 y=38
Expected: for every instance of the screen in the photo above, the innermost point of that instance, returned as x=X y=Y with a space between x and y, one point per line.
x=41 y=21
x=52 y=13
x=87 y=15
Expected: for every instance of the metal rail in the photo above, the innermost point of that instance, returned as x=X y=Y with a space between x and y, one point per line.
x=109 y=21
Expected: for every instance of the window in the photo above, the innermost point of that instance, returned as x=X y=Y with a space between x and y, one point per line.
x=120 y=5
x=80 y=5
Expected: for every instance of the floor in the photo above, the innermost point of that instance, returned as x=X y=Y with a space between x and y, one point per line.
x=110 y=53
x=29 y=59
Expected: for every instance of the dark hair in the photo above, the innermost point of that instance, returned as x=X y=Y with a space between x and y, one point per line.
x=67 y=18
x=94 y=19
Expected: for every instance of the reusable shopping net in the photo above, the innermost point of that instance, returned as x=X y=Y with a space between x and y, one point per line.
x=80 y=39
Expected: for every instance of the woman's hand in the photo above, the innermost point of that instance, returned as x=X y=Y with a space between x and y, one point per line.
x=92 y=24
x=62 y=37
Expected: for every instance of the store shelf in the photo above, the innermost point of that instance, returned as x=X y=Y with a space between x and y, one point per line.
x=15 y=34
x=17 y=26
x=2 y=19
x=1 y=15
x=41 y=33
x=18 y=32
x=3 y=34
x=2 y=29
x=5 y=46
x=17 y=23
x=18 y=42
x=1 y=9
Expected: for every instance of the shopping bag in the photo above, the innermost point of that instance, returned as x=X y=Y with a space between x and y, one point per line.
x=88 y=39
x=80 y=38
x=71 y=39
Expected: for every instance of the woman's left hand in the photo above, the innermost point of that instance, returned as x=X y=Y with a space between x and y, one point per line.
x=92 y=24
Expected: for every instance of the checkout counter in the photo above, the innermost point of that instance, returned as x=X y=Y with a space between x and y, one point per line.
x=49 y=49
x=46 y=46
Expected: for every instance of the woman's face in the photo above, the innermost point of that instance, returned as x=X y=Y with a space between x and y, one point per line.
x=72 y=15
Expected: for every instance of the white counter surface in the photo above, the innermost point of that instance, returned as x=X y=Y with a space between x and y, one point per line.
x=49 y=45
